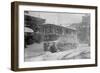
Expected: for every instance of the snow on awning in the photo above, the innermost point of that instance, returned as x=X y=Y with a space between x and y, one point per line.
x=26 y=29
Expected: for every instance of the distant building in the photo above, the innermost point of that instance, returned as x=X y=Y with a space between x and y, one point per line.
x=84 y=30
x=52 y=32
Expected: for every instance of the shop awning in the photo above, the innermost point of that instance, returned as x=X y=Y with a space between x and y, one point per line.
x=26 y=29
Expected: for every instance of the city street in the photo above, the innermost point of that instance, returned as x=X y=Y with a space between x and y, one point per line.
x=81 y=52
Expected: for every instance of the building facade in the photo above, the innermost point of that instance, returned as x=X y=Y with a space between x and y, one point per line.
x=50 y=32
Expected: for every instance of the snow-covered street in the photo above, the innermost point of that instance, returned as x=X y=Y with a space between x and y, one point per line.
x=81 y=52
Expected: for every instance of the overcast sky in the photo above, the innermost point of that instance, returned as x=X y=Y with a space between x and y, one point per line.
x=64 y=19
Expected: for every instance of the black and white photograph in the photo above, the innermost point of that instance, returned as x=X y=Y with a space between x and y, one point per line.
x=56 y=36
x=53 y=36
